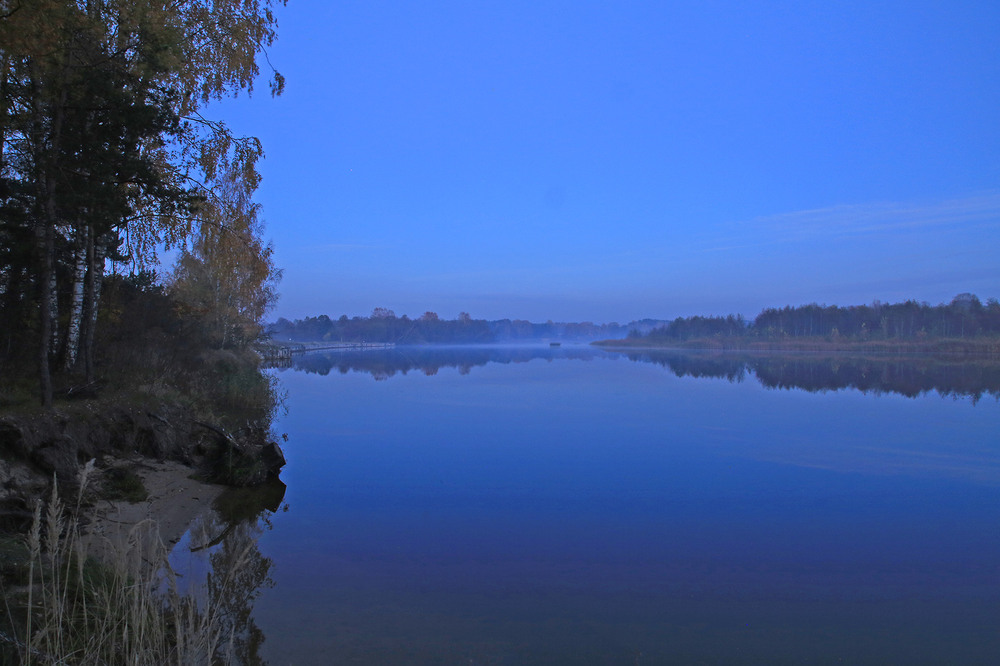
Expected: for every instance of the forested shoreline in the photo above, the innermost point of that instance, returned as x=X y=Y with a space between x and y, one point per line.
x=384 y=326
x=109 y=156
x=965 y=324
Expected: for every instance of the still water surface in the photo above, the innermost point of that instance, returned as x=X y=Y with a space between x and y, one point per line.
x=574 y=506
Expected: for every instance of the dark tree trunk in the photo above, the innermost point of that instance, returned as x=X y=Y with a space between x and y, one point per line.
x=47 y=156
x=46 y=248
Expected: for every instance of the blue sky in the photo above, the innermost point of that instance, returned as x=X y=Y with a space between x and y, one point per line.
x=609 y=161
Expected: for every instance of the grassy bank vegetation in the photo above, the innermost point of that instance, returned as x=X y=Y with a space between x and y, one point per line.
x=166 y=388
x=65 y=606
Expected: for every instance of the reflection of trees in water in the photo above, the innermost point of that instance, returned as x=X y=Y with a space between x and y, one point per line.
x=685 y=365
x=909 y=376
x=384 y=364
x=237 y=571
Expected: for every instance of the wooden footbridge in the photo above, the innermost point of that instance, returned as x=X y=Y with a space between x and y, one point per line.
x=278 y=351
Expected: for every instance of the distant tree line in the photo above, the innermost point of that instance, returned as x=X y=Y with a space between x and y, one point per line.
x=384 y=326
x=964 y=317
x=520 y=330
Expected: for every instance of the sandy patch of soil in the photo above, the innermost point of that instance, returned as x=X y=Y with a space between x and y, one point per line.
x=175 y=501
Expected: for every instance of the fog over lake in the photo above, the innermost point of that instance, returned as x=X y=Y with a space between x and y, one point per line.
x=573 y=505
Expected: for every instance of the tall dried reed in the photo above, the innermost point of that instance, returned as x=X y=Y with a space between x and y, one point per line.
x=125 y=610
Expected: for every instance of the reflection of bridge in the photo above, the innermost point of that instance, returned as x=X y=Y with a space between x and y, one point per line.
x=322 y=346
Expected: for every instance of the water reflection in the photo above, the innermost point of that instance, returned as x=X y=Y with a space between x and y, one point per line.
x=911 y=375
x=608 y=512
x=384 y=364
x=220 y=554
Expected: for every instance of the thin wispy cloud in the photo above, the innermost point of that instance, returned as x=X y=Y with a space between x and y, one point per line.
x=882 y=217
x=856 y=220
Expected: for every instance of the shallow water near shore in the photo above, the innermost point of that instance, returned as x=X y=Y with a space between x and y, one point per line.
x=573 y=505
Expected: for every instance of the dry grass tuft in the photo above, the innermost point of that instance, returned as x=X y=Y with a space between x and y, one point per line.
x=129 y=611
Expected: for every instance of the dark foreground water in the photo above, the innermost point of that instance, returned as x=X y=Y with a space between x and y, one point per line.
x=571 y=506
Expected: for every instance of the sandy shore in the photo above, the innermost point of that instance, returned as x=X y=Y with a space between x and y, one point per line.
x=174 y=502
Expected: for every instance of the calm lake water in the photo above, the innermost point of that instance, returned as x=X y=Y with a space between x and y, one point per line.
x=574 y=506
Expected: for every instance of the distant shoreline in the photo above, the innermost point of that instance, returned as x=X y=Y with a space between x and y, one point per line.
x=951 y=346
